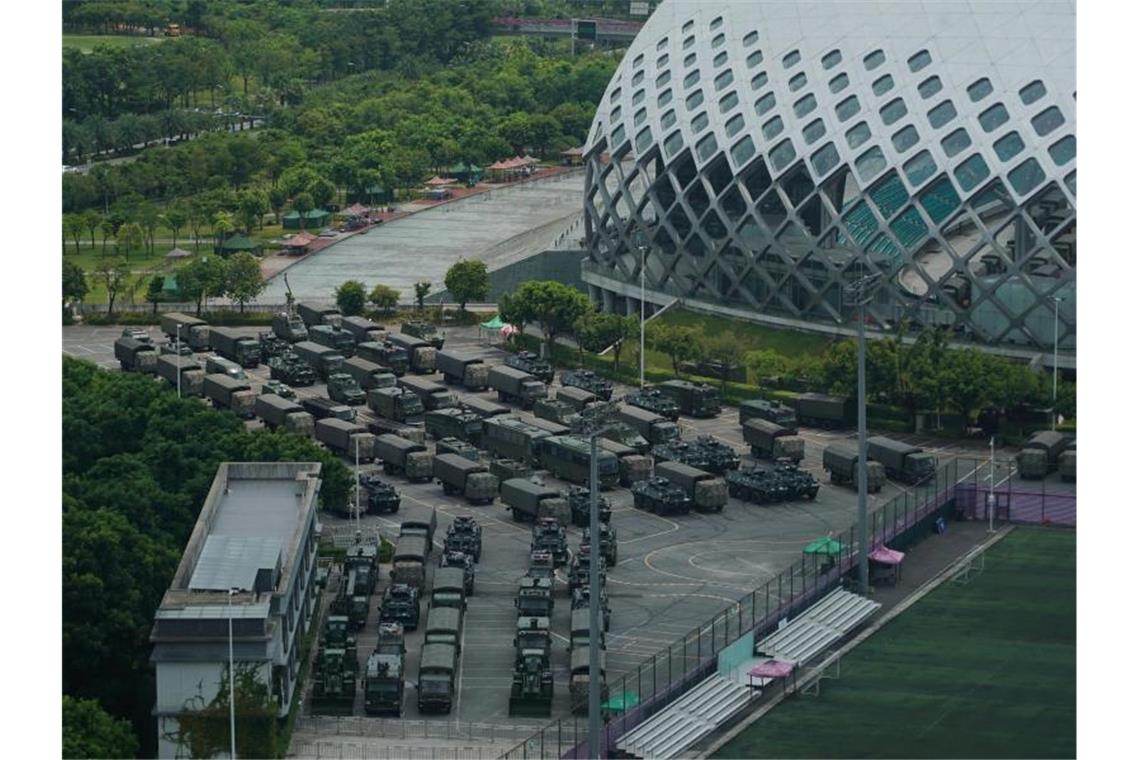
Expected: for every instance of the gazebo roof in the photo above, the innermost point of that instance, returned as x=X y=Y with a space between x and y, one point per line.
x=316 y=213
x=178 y=253
x=240 y=243
x=300 y=240
x=572 y=152
x=438 y=181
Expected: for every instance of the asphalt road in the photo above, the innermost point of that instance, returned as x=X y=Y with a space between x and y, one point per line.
x=673 y=574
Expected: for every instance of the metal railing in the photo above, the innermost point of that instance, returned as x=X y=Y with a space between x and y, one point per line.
x=360 y=750
x=666 y=675
x=317 y=726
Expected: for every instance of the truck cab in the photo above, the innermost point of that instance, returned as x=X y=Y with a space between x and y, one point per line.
x=216 y=365
x=343 y=388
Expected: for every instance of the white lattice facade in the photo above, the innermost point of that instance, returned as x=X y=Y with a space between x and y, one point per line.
x=767 y=153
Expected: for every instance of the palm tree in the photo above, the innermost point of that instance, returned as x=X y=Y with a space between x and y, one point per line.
x=223 y=225
x=106 y=229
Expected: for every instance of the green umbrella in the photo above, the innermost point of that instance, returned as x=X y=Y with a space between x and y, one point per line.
x=824 y=545
x=623 y=701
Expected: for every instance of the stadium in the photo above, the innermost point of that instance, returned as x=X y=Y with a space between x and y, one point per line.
x=758 y=157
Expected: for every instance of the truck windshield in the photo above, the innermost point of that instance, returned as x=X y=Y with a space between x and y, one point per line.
x=410 y=404
x=533 y=607
x=668 y=431
x=440 y=685
x=385 y=687
x=344 y=413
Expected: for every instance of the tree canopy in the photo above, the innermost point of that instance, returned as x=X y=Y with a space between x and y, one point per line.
x=551 y=305
x=350 y=298
x=467 y=279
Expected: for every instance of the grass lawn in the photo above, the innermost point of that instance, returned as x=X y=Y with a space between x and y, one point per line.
x=756 y=337
x=986 y=669
x=87 y=42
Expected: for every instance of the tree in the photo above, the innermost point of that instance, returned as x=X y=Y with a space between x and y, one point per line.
x=202 y=278
x=384 y=298
x=149 y=219
x=74 y=282
x=243 y=278
x=73 y=226
x=91 y=220
x=553 y=306
x=422 y=289
x=129 y=236
x=596 y=331
x=277 y=198
x=350 y=298
x=175 y=220
x=968 y=379
x=113 y=273
x=196 y=217
x=88 y=731
x=724 y=353
x=467 y=279
x=223 y=225
x=677 y=342
x=321 y=191
x=252 y=206
x=302 y=204
x=106 y=230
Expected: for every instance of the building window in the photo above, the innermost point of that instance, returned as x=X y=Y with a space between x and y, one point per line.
x=638 y=97
x=791 y=59
x=668 y=119
x=734 y=125
x=955 y=142
x=759 y=80
x=919 y=61
x=804 y=105
x=874 y=60
x=751 y=38
x=971 y=172
x=920 y=168
x=755 y=58
x=858 y=134
x=1032 y=92
x=615 y=114
x=905 y=139
x=825 y=159
x=688 y=43
x=1064 y=150
x=782 y=155
x=615 y=94
x=798 y=81
x=695 y=99
x=663 y=77
x=638 y=78
x=643 y=140
x=724 y=79
x=837 y=84
x=664 y=98
x=699 y=122
x=706 y=147
x=688 y=26
x=993 y=117
x=941 y=114
x=690 y=59
x=765 y=104
x=1009 y=146
x=1048 y=120
x=716 y=23
x=979 y=89
x=814 y=131
x=882 y=84
x=718 y=40
x=1026 y=176
x=673 y=143
x=743 y=151
x=721 y=57
x=639 y=117
x=661 y=43
x=772 y=127
x=692 y=78
x=638 y=60
x=929 y=87
x=870 y=164
x=893 y=111
x=728 y=102
x=662 y=60
x=832 y=59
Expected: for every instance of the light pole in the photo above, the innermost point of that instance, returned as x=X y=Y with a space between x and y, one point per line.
x=859 y=292
x=357 y=473
x=991 y=501
x=642 y=352
x=178 y=353
x=1056 y=314
x=233 y=720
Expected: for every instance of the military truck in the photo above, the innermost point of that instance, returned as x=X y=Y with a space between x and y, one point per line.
x=607 y=541
x=589 y=381
x=312 y=314
x=290 y=368
x=530 y=363
x=420 y=353
x=426 y=331
x=770 y=440
x=216 y=365
x=841 y=460
x=337 y=633
x=332 y=337
x=412 y=432
x=505 y=469
x=823 y=411
x=170 y=367
x=334 y=683
x=394 y=358
x=461 y=561
x=484 y=408
x=578 y=498
x=1067 y=464
x=577 y=398
x=363 y=330
x=326 y=408
x=704 y=453
x=580 y=679
x=452 y=445
x=468 y=371
x=532 y=684
x=624 y=434
x=773 y=411
x=512 y=438
x=277 y=412
x=384 y=673
x=653 y=427
x=396 y=404
x=437 y=678
x=541 y=566
x=459 y=475
x=531 y=501
x=707 y=492
x=516 y=386
x=535 y=597
x=409 y=563
x=465 y=535
x=444 y=625
x=768 y=485
x=323 y=360
x=568 y=457
x=229 y=343
x=289 y=327
x=580 y=600
x=449 y=588
x=403 y=457
x=580 y=622
x=901 y=461
x=578 y=576
x=344 y=438
x=661 y=497
x=548 y=535
x=176 y=349
x=1051 y=443
x=401 y=604
x=342 y=388
x=432 y=394
x=555 y=411
x=380 y=496
x=632 y=466
x=271 y=346
x=695 y=400
x=136 y=356
x=184 y=328
x=654 y=401
x=368 y=374
x=422 y=528
x=226 y=393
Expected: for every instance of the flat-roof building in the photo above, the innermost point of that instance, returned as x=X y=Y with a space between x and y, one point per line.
x=256 y=536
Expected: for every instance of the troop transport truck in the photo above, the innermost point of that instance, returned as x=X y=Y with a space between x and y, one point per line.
x=384 y=673
x=325 y=361
x=468 y=371
x=1067 y=465
x=554 y=410
x=170 y=367
x=341 y=387
x=289 y=327
x=511 y=438
x=380 y=426
x=449 y=589
x=707 y=492
x=1041 y=454
x=516 y=386
x=632 y=466
x=368 y=374
x=363 y=330
x=484 y=408
x=432 y=394
x=345 y=438
x=453 y=422
x=425 y=529
x=578 y=398
x=420 y=353
x=312 y=314
x=653 y=427
x=403 y=457
x=229 y=343
x=136 y=356
x=444 y=624
x=409 y=562
x=823 y=411
x=901 y=461
x=333 y=337
x=568 y=457
x=384 y=354
x=695 y=400
x=227 y=393
x=773 y=411
x=396 y=404
x=841 y=461
x=437 y=678
x=580 y=679
x=459 y=475
x=324 y=408
x=187 y=329
x=770 y=440
x=216 y=365
x=277 y=412
x=532 y=501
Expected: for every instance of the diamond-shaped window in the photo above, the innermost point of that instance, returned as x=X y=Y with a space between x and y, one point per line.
x=743 y=151
x=1009 y=146
x=825 y=159
x=979 y=89
x=1026 y=176
x=940 y=200
x=905 y=139
x=1048 y=120
x=1064 y=150
x=782 y=155
x=972 y=172
x=920 y=168
x=728 y=102
x=870 y=163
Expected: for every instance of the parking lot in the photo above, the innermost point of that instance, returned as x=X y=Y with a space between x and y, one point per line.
x=673 y=573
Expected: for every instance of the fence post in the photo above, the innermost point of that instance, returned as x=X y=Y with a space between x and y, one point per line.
x=655 y=675
x=753 y=608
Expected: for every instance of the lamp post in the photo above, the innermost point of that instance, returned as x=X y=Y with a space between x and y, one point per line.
x=233 y=720
x=991 y=501
x=641 y=353
x=357 y=489
x=178 y=353
x=1056 y=315
x=859 y=292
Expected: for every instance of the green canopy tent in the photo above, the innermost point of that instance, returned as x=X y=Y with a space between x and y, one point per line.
x=317 y=217
x=375 y=194
x=495 y=330
x=824 y=545
x=291 y=220
x=619 y=703
x=237 y=243
x=469 y=173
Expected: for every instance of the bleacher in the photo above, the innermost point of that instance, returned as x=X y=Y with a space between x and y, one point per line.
x=689 y=719
x=826 y=622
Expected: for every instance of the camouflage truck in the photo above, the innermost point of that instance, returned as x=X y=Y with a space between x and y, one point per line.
x=425 y=331
x=233 y=345
x=452 y=445
x=823 y=411
x=277 y=412
x=1041 y=454
x=901 y=461
x=136 y=356
x=384 y=673
x=651 y=426
x=530 y=363
x=436 y=678
x=347 y=439
x=465 y=535
x=184 y=328
x=432 y=394
x=363 y=330
x=289 y=327
x=324 y=361
x=632 y=466
x=193 y=377
x=555 y=411
x=532 y=501
x=403 y=457
x=516 y=386
x=313 y=314
x=368 y=374
x=226 y=393
x=532 y=684
x=695 y=400
x=580 y=679
x=841 y=461
x=468 y=371
x=587 y=380
x=453 y=422
x=707 y=492
x=401 y=604
x=341 y=387
x=773 y=411
x=459 y=475
x=420 y=353
x=333 y=337
x=385 y=354
x=772 y=441
x=578 y=498
x=396 y=404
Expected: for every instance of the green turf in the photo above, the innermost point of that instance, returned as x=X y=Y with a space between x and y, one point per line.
x=87 y=42
x=985 y=669
x=755 y=337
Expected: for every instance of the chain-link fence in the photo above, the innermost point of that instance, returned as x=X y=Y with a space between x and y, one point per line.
x=383 y=750
x=318 y=726
x=1014 y=501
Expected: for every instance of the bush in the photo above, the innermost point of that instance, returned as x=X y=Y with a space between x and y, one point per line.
x=225 y=318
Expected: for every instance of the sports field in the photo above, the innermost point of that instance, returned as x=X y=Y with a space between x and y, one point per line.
x=982 y=669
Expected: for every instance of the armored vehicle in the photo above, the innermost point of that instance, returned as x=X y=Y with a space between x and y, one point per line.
x=401 y=604
x=420 y=353
x=459 y=475
x=577 y=398
x=587 y=380
x=334 y=683
x=541 y=566
x=403 y=457
x=345 y=438
x=651 y=426
x=424 y=331
x=270 y=345
x=768 y=485
x=136 y=356
x=655 y=401
x=230 y=344
x=277 y=412
x=823 y=411
x=313 y=314
x=381 y=496
x=369 y=374
x=468 y=371
x=695 y=400
x=535 y=597
x=548 y=535
x=396 y=404
x=901 y=461
x=453 y=422
x=278 y=388
x=704 y=453
x=437 y=678
x=516 y=386
x=290 y=368
x=607 y=541
x=412 y=432
x=708 y=492
x=532 y=685
x=533 y=501
x=451 y=445
x=289 y=327
x=659 y=496
x=136 y=333
x=174 y=349
x=462 y=561
x=506 y=469
x=773 y=411
x=484 y=408
x=337 y=634
x=226 y=393
x=384 y=673
x=578 y=497
x=184 y=328
x=772 y=441
x=343 y=388
x=555 y=411
x=841 y=460
x=530 y=363
x=465 y=535
x=170 y=367
x=326 y=408
x=623 y=433
x=323 y=360
x=385 y=354
x=578 y=576
x=363 y=330
x=340 y=341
